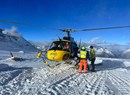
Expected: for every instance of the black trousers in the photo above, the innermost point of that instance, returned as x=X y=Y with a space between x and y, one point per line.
x=92 y=64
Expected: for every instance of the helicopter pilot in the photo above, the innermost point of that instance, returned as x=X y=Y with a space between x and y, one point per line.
x=67 y=46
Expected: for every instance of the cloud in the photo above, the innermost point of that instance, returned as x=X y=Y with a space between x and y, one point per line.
x=13 y=32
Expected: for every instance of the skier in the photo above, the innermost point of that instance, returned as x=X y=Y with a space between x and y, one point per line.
x=92 y=58
x=83 y=59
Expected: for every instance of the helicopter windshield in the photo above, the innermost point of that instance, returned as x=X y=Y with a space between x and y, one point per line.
x=60 y=45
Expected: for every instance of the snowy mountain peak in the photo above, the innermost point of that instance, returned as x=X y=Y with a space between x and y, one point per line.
x=103 y=52
x=97 y=40
x=12 y=32
x=11 y=40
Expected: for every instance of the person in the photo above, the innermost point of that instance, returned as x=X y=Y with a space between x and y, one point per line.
x=88 y=57
x=83 y=59
x=92 y=58
x=67 y=46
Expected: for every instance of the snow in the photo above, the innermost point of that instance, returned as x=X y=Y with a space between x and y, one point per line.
x=127 y=63
x=99 y=61
x=21 y=51
x=31 y=76
x=126 y=54
x=127 y=51
x=96 y=40
x=103 y=52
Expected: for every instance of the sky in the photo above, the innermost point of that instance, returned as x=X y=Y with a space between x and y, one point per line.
x=52 y=15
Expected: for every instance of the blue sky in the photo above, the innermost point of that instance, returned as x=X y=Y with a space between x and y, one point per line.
x=75 y=14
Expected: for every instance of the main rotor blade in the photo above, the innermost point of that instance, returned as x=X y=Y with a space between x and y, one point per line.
x=11 y=22
x=64 y=30
x=19 y=23
x=105 y=28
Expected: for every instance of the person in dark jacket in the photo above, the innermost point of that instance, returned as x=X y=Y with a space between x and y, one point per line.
x=92 y=58
x=88 y=58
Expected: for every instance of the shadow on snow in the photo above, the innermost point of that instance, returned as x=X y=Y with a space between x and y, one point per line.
x=6 y=67
x=110 y=65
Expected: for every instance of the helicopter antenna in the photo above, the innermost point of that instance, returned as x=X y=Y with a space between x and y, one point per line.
x=80 y=43
x=59 y=38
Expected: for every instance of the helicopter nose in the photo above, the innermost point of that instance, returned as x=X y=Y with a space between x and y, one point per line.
x=53 y=55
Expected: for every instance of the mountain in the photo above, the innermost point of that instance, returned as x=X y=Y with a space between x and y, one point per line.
x=126 y=54
x=41 y=45
x=13 y=42
x=103 y=52
x=103 y=49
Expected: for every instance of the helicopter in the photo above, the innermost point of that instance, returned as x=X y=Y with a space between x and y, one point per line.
x=56 y=52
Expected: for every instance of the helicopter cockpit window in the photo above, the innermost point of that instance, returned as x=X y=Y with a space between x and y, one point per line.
x=56 y=46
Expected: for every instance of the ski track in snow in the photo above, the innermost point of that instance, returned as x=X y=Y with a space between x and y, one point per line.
x=22 y=78
x=122 y=83
x=13 y=81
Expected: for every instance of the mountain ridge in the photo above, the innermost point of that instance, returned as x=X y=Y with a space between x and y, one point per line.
x=14 y=43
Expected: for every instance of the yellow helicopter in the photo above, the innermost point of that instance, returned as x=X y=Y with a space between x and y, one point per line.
x=61 y=49
x=57 y=51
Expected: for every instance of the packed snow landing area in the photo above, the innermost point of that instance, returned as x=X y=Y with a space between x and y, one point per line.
x=31 y=77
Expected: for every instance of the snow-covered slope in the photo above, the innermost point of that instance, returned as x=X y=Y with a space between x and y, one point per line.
x=14 y=43
x=32 y=77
